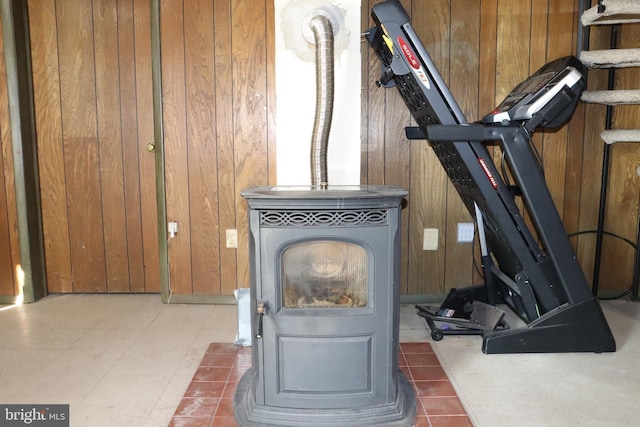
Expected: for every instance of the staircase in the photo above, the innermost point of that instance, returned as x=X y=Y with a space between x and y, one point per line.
x=614 y=14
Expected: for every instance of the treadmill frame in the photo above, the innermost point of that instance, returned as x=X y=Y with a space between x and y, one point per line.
x=545 y=286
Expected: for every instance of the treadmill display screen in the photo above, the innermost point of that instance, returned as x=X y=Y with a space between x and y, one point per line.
x=525 y=88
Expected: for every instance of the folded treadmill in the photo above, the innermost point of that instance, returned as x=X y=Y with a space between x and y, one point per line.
x=539 y=278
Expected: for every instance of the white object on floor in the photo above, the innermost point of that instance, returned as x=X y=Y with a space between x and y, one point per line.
x=243 y=337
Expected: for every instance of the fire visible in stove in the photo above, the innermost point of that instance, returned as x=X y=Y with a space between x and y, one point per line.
x=324 y=274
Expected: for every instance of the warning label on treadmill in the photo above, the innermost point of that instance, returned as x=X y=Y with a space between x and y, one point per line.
x=487 y=171
x=414 y=62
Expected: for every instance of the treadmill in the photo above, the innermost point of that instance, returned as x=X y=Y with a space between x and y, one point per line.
x=536 y=275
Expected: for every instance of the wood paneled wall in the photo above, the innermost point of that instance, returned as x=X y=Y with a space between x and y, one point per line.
x=9 y=246
x=92 y=89
x=483 y=49
x=92 y=80
x=218 y=116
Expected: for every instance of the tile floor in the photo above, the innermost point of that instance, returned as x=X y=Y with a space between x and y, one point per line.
x=127 y=360
x=208 y=401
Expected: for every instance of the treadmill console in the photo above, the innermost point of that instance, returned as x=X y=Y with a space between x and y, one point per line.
x=549 y=96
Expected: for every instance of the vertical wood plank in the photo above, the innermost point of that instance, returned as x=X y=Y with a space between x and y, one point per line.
x=225 y=154
x=8 y=282
x=203 y=197
x=429 y=181
x=396 y=167
x=175 y=142
x=554 y=153
x=7 y=263
x=249 y=113
x=487 y=98
x=9 y=250
x=573 y=171
x=270 y=38
x=426 y=268
x=513 y=51
x=146 y=165
x=130 y=146
x=105 y=31
x=465 y=59
x=81 y=157
x=539 y=16
x=513 y=44
x=48 y=115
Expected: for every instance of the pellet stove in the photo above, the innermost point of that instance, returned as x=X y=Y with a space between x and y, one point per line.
x=325 y=309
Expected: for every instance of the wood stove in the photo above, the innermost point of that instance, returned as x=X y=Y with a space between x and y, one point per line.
x=325 y=309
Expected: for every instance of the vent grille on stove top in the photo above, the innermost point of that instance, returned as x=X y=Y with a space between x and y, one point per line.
x=323 y=218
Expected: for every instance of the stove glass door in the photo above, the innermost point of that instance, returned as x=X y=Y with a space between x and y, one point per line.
x=324 y=274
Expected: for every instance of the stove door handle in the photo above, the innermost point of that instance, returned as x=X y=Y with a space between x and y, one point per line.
x=260 y=312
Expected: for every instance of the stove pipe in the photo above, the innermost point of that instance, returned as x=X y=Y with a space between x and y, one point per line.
x=323 y=35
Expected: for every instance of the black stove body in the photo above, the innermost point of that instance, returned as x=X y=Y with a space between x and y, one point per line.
x=538 y=277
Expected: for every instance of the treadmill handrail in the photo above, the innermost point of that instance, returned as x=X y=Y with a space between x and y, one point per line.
x=465 y=132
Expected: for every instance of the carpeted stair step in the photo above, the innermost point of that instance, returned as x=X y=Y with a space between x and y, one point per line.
x=617 y=58
x=615 y=12
x=620 y=135
x=611 y=97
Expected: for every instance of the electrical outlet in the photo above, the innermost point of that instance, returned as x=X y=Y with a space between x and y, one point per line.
x=232 y=238
x=465 y=232
x=430 y=239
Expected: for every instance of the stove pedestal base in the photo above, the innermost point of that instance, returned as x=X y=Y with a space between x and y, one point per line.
x=401 y=413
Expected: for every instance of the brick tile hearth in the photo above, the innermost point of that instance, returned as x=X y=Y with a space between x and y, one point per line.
x=208 y=401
